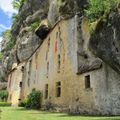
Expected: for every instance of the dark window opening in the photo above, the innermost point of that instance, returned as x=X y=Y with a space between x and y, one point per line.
x=46 y=91
x=20 y=85
x=58 y=89
x=29 y=72
x=47 y=68
x=22 y=68
x=56 y=35
x=87 y=82
x=59 y=63
x=117 y=50
x=48 y=43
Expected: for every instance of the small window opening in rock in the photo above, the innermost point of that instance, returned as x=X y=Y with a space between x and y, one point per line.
x=46 y=91
x=20 y=85
x=87 y=82
x=85 y=56
x=22 y=68
x=58 y=89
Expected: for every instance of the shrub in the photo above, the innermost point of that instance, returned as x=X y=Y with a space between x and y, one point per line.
x=34 y=100
x=3 y=95
x=98 y=8
x=4 y=104
x=22 y=103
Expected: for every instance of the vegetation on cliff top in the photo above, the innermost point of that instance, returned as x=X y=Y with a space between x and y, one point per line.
x=99 y=8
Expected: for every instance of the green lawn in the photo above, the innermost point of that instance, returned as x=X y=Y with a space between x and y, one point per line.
x=10 y=113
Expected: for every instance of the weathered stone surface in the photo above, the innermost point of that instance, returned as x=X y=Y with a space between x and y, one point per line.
x=32 y=9
x=27 y=45
x=89 y=65
x=3 y=85
x=65 y=9
x=105 y=41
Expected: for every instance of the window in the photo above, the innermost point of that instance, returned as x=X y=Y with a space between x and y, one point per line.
x=46 y=91
x=22 y=68
x=48 y=44
x=87 y=82
x=59 y=63
x=47 y=68
x=20 y=85
x=58 y=89
x=29 y=73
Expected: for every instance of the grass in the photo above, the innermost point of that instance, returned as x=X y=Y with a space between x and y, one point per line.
x=12 y=113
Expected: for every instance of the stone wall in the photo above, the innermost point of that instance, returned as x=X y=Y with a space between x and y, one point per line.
x=14 y=84
x=42 y=69
x=57 y=61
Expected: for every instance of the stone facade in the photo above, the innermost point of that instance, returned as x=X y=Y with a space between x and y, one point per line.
x=69 y=76
x=14 y=84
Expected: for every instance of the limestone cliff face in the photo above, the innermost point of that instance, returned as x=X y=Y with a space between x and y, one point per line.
x=105 y=41
x=31 y=12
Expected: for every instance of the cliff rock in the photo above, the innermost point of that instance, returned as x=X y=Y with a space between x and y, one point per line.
x=105 y=41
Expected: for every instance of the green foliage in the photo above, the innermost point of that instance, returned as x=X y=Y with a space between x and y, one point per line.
x=18 y=3
x=11 y=42
x=23 y=103
x=4 y=104
x=34 y=100
x=7 y=34
x=15 y=18
x=3 y=95
x=1 y=55
x=98 y=8
x=34 y=25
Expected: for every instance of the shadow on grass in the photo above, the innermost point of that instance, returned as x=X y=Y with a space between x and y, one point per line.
x=62 y=115
x=94 y=117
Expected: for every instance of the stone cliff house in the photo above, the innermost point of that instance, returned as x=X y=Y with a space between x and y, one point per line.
x=70 y=77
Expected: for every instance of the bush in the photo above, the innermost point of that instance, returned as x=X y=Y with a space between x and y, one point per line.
x=3 y=95
x=4 y=104
x=22 y=103
x=34 y=100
